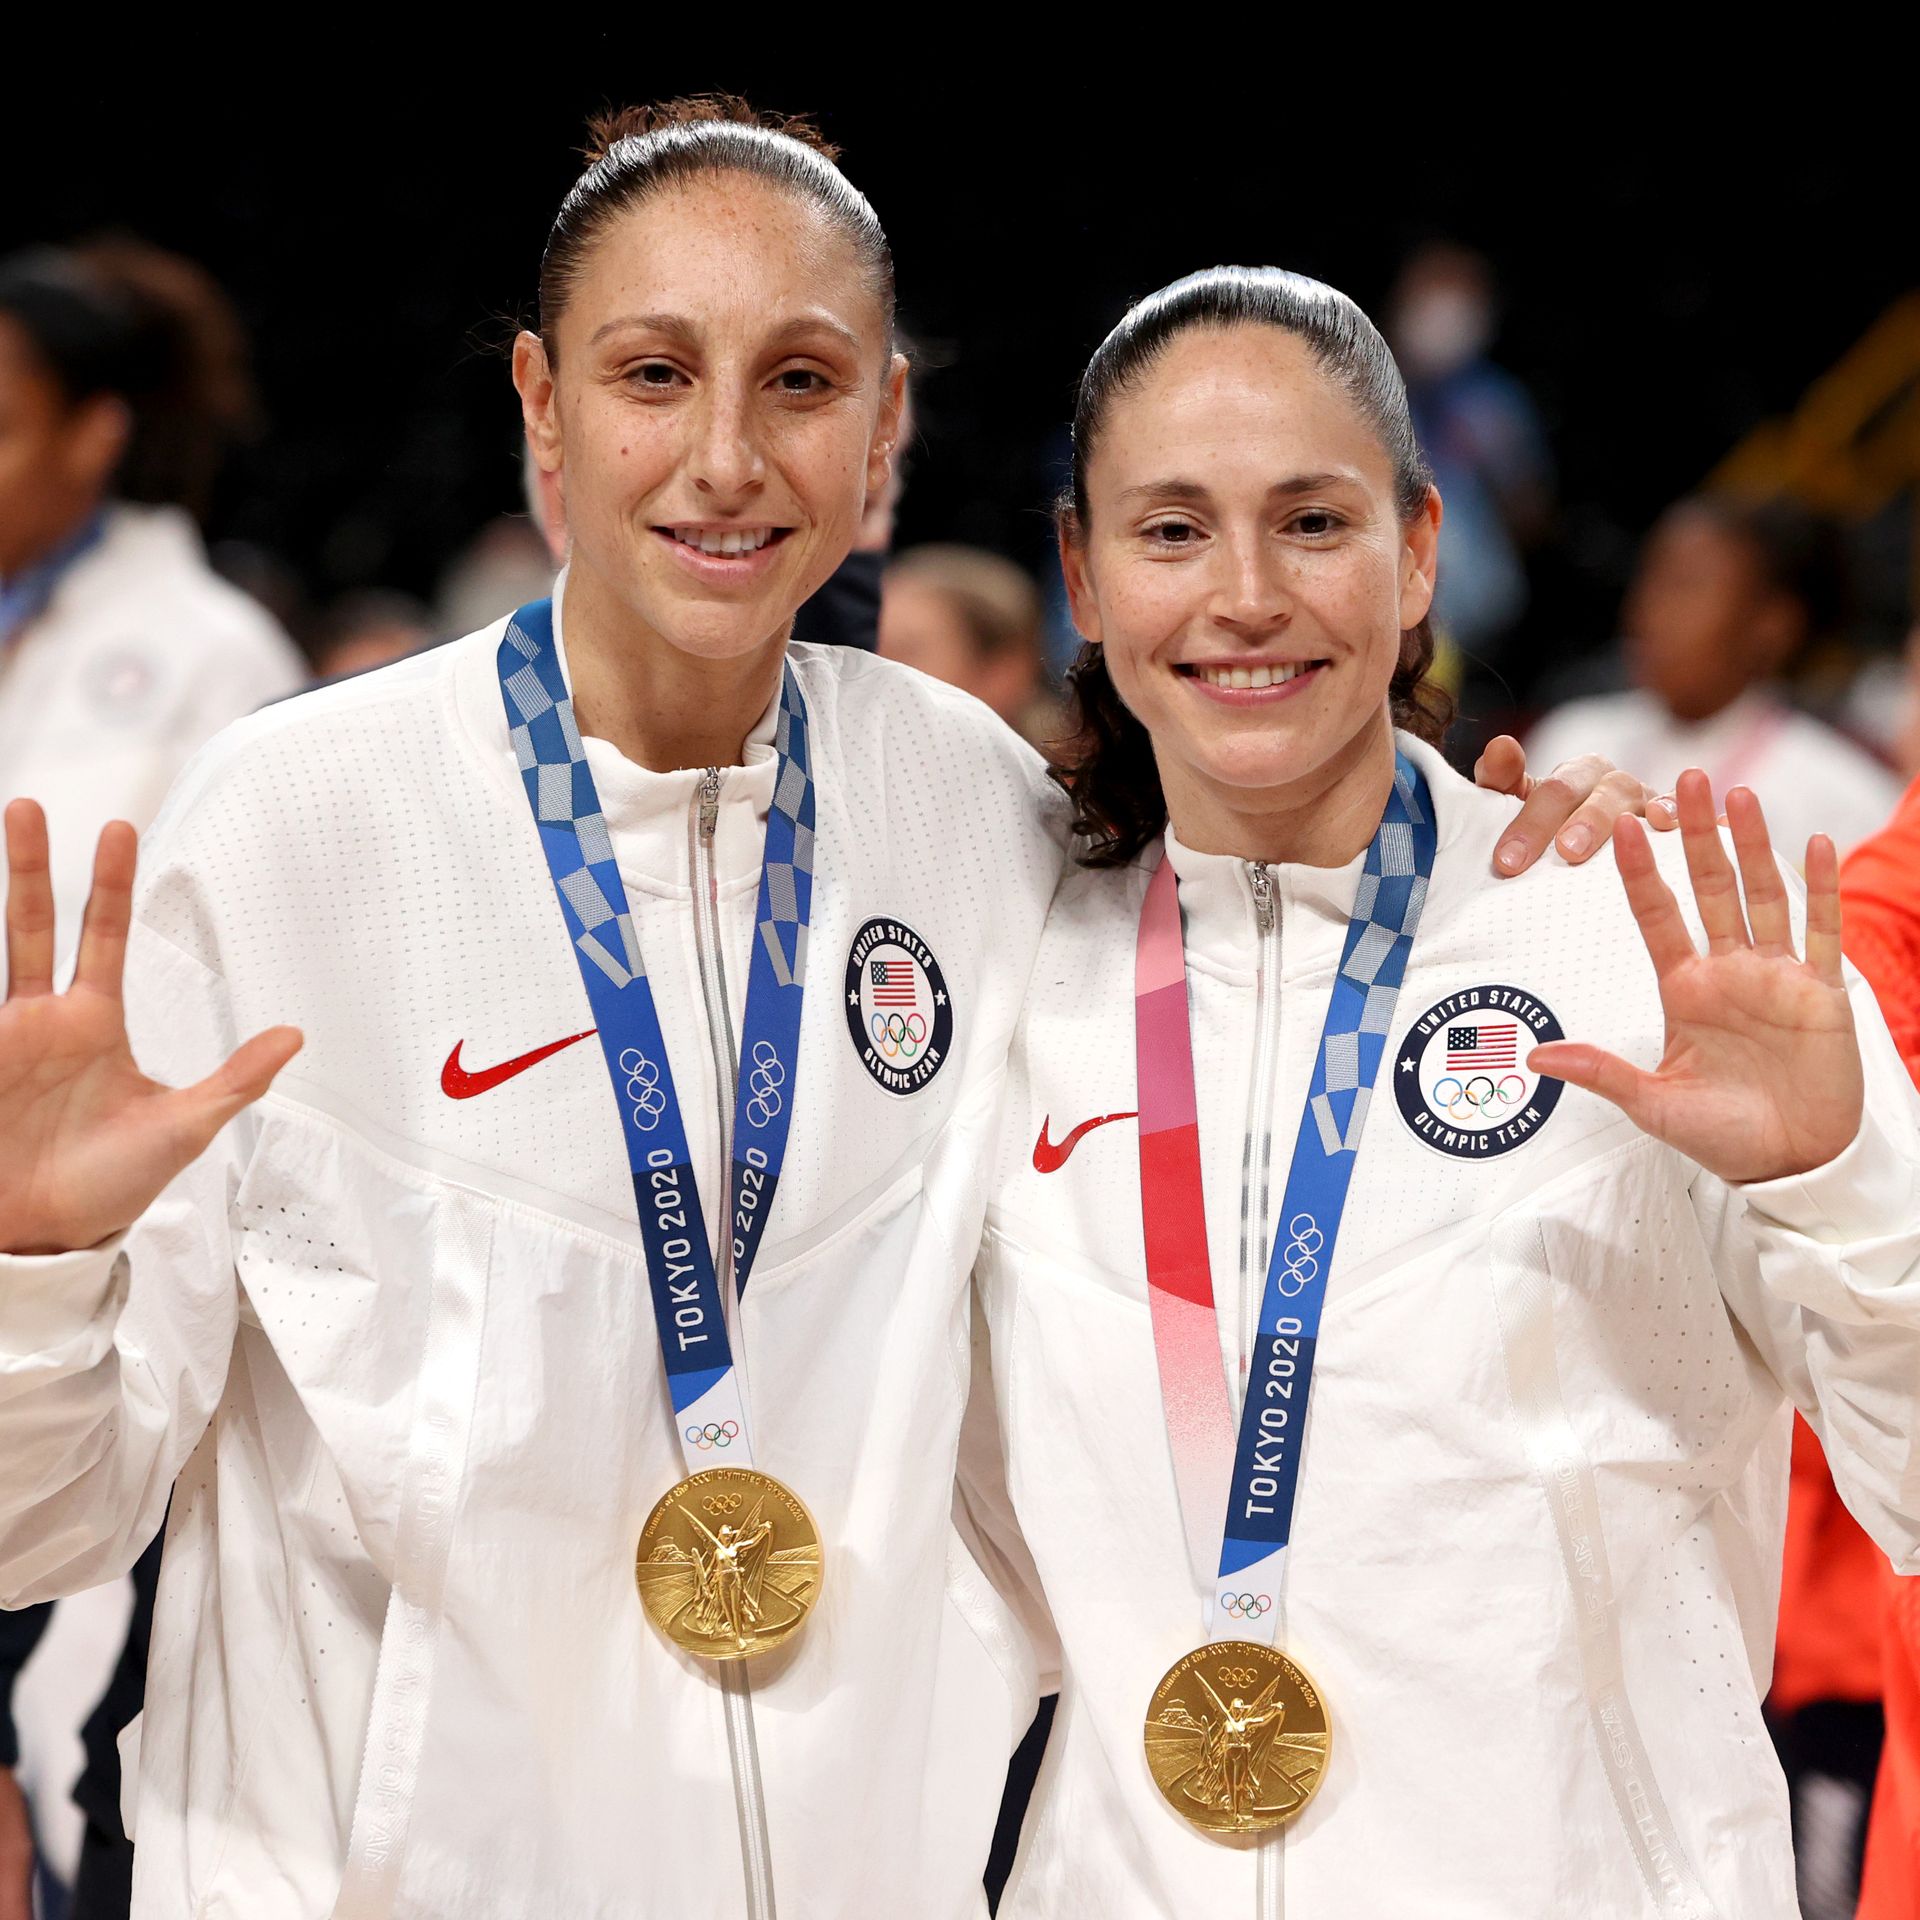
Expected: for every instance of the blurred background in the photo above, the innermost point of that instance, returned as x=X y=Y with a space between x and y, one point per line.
x=1662 y=340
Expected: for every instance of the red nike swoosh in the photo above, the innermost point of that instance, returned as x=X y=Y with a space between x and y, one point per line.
x=1049 y=1158
x=458 y=1084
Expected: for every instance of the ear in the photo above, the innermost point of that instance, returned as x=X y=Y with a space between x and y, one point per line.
x=534 y=381
x=96 y=440
x=891 y=427
x=1420 y=561
x=1081 y=600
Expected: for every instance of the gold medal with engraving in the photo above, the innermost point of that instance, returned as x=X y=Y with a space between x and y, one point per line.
x=1237 y=1738
x=728 y=1563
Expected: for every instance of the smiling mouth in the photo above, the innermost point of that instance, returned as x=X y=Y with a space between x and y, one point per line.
x=724 y=543
x=1274 y=673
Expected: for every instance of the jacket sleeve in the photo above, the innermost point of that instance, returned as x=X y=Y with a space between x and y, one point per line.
x=113 y=1359
x=1823 y=1272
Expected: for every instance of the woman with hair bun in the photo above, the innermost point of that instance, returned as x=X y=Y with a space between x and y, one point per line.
x=1393 y=1384
x=562 y=1519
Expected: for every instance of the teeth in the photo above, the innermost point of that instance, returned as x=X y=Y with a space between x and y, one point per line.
x=719 y=542
x=1252 y=677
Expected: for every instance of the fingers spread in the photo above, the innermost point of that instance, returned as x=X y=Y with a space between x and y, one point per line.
x=29 y=902
x=1766 y=892
x=103 y=932
x=1581 y=1064
x=248 y=1072
x=1662 y=929
x=1823 y=910
x=1715 y=890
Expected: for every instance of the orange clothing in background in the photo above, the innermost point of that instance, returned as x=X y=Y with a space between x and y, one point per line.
x=1880 y=896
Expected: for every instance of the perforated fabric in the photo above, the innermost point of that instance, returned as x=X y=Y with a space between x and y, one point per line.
x=399 y=1348
x=1429 y=1592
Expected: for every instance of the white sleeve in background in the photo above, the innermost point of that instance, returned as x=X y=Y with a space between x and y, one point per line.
x=1823 y=1272
x=112 y=1360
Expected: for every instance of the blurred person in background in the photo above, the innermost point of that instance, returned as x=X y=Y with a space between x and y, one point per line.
x=123 y=383
x=973 y=619
x=1726 y=597
x=368 y=629
x=1482 y=436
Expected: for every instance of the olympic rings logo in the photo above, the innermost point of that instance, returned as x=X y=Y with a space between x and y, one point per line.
x=898 y=1036
x=1480 y=1097
x=1305 y=1242
x=643 y=1089
x=714 y=1434
x=719 y=1503
x=1245 y=1606
x=1239 y=1676
x=764 y=1080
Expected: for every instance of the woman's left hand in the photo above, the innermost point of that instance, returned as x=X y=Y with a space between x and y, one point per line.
x=1761 y=1076
x=1574 y=808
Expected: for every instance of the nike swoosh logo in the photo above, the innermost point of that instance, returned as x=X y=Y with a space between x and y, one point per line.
x=1050 y=1158
x=458 y=1084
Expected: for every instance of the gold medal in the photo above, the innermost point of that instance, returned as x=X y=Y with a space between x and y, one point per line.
x=728 y=1563
x=1237 y=1737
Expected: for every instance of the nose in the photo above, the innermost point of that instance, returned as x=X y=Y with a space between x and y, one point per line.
x=1251 y=592
x=725 y=461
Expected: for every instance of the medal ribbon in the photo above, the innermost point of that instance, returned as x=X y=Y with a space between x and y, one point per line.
x=1259 y=1474
x=708 y=1406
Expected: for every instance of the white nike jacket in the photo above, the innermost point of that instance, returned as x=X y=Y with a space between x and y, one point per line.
x=1535 y=1556
x=393 y=1333
x=141 y=656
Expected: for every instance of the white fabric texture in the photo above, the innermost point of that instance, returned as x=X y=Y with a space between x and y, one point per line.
x=1535 y=1556
x=1810 y=779
x=142 y=655
x=398 y=1347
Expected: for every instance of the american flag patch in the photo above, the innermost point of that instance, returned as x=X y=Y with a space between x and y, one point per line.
x=1488 y=1045
x=893 y=983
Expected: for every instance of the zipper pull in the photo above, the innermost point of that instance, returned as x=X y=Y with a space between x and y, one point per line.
x=709 y=802
x=1261 y=881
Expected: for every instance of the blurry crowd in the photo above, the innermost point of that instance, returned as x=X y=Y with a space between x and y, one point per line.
x=125 y=641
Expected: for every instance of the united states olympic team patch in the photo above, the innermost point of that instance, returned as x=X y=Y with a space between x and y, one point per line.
x=898 y=1009
x=1460 y=1072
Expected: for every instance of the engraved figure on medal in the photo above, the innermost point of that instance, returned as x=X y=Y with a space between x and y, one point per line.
x=728 y=1564
x=1236 y=1738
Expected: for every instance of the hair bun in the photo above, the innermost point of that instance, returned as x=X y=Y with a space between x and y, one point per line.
x=606 y=130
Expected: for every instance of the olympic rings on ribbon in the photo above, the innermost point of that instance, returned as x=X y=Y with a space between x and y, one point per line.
x=898 y=1036
x=1245 y=1606
x=714 y=1434
x=643 y=1089
x=1304 y=1243
x=764 y=1079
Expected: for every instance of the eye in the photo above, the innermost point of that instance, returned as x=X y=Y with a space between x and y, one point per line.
x=801 y=382
x=657 y=376
x=1170 y=533
x=1314 y=522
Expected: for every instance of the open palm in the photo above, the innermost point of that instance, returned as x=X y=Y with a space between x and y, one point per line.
x=1761 y=1075
x=88 y=1141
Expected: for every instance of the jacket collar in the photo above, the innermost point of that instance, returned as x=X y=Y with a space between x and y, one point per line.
x=1217 y=889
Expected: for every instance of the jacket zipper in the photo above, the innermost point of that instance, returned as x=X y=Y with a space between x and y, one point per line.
x=749 y=1797
x=1256 y=1227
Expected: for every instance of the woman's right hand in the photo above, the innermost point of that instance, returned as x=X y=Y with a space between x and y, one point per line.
x=87 y=1141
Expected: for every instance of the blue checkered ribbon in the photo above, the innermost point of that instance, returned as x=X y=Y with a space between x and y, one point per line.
x=1386 y=915
x=688 y=1309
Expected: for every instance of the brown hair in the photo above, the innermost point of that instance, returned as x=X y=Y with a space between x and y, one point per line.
x=995 y=599
x=1106 y=761
x=637 y=152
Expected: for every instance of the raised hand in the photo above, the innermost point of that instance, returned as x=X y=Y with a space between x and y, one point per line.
x=1761 y=1075
x=1575 y=807
x=87 y=1141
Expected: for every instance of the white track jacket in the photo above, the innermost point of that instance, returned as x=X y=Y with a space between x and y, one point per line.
x=1535 y=1556
x=393 y=1333
x=140 y=657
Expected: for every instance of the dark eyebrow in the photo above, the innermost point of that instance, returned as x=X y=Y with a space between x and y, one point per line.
x=682 y=331
x=1193 y=491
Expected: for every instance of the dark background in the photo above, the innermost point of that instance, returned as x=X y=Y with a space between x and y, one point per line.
x=1674 y=270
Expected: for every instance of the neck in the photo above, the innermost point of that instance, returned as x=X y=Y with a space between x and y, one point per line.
x=664 y=709
x=1324 y=819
